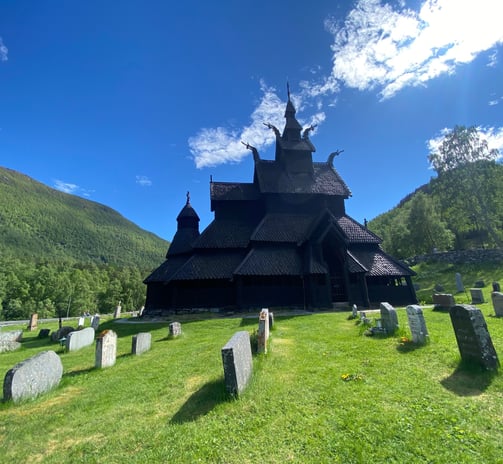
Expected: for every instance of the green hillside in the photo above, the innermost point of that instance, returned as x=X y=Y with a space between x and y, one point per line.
x=41 y=223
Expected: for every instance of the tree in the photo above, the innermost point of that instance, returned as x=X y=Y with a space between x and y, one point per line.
x=463 y=161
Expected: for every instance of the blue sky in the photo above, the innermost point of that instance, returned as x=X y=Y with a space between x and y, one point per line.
x=134 y=103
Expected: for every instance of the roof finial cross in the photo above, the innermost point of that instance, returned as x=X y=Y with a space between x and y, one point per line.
x=188 y=197
x=288 y=89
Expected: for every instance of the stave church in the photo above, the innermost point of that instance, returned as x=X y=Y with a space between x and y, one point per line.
x=283 y=240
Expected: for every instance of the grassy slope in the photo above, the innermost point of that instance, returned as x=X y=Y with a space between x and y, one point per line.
x=37 y=221
x=169 y=405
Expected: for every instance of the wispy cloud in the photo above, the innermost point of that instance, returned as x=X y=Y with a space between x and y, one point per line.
x=144 y=181
x=379 y=47
x=493 y=135
x=3 y=51
x=70 y=188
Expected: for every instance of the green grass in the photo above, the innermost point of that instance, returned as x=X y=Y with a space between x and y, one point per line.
x=414 y=404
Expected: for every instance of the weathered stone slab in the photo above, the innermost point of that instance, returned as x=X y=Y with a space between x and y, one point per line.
x=474 y=342
x=175 y=329
x=389 y=318
x=141 y=342
x=106 y=349
x=11 y=336
x=417 y=324
x=263 y=331
x=9 y=346
x=496 y=287
x=62 y=332
x=44 y=333
x=271 y=320
x=477 y=296
x=459 y=283
x=497 y=299
x=95 y=321
x=79 y=339
x=33 y=324
x=443 y=301
x=237 y=362
x=117 y=312
x=33 y=376
x=82 y=321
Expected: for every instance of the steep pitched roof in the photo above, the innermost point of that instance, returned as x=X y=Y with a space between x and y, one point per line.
x=290 y=228
x=354 y=232
x=225 y=233
x=166 y=270
x=220 y=191
x=379 y=264
x=210 y=266
x=182 y=241
x=271 y=261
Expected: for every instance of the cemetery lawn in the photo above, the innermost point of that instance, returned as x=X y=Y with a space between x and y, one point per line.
x=324 y=393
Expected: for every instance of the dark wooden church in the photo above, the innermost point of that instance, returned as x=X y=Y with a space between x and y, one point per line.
x=283 y=240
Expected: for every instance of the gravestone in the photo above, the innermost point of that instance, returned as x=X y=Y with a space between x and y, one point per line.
x=140 y=313
x=496 y=287
x=175 y=329
x=479 y=284
x=443 y=301
x=439 y=288
x=44 y=333
x=82 y=322
x=459 y=283
x=354 y=312
x=33 y=376
x=117 y=312
x=33 y=324
x=11 y=336
x=106 y=349
x=477 y=296
x=417 y=324
x=79 y=339
x=62 y=332
x=263 y=331
x=95 y=322
x=237 y=362
x=497 y=299
x=389 y=319
x=9 y=345
x=474 y=342
x=271 y=320
x=141 y=343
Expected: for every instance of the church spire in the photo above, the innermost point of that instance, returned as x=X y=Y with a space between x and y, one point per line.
x=292 y=129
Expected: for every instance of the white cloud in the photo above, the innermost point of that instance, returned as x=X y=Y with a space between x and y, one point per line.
x=144 y=181
x=211 y=147
x=3 y=51
x=380 y=47
x=70 y=188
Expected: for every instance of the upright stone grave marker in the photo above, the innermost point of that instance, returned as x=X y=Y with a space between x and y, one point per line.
x=175 y=329
x=477 y=296
x=237 y=362
x=474 y=342
x=354 y=312
x=263 y=331
x=389 y=319
x=79 y=339
x=417 y=324
x=117 y=312
x=95 y=321
x=271 y=320
x=33 y=324
x=62 y=332
x=459 y=283
x=141 y=342
x=497 y=299
x=443 y=301
x=106 y=349
x=496 y=287
x=82 y=321
x=33 y=376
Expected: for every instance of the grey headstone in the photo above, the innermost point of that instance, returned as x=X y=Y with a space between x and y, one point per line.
x=389 y=318
x=354 y=311
x=33 y=376
x=95 y=322
x=33 y=324
x=443 y=301
x=474 y=342
x=271 y=320
x=117 y=312
x=459 y=283
x=141 y=343
x=106 y=349
x=175 y=329
x=9 y=346
x=237 y=362
x=61 y=333
x=497 y=298
x=79 y=339
x=479 y=284
x=82 y=321
x=496 y=287
x=417 y=324
x=11 y=336
x=477 y=296
x=263 y=331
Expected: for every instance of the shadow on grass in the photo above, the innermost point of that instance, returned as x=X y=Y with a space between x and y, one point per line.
x=202 y=402
x=468 y=380
x=409 y=346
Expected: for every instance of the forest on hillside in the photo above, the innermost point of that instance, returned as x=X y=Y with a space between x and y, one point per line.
x=461 y=208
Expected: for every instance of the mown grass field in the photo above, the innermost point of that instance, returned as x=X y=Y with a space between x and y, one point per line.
x=401 y=404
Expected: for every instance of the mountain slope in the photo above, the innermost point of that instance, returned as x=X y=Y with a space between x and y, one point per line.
x=41 y=223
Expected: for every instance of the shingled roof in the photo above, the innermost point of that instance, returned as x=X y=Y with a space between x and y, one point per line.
x=225 y=233
x=210 y=266
x=237 y=191
x=167 y=269
x=271 y=261
x=354 y=232
x=379 y=264
x=290 y=228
